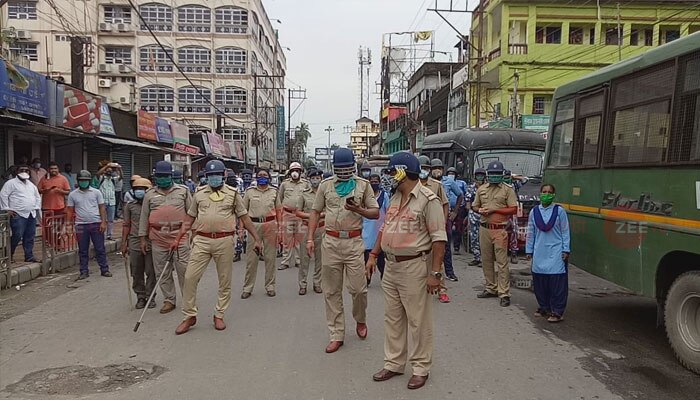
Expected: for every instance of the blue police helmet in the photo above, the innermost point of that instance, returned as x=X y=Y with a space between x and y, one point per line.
x=163 y=168
x=327 y=175
x=177 y=174
x=479 y=171
x=200 y=174
x=343 y=158
x=506 y=172
x=405 y=160
x=314 y=172
x=495 y=167
x=214 y=167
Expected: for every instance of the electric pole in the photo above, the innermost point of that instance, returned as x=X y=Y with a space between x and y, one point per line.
x=292 y=94
x=329 y=130
x=514 y=101
x=619 y=34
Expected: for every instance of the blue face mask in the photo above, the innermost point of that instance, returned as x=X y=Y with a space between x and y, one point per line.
x=263 y=181
x=139 y=193
x=215 y=181
x=376 y=186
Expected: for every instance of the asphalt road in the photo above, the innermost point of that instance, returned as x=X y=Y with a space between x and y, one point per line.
x=607 y=348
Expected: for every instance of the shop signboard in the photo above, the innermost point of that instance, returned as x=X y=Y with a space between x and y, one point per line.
x=181 y=134
x=147 y=126
x=106 y=125
x=216 y=143
x=189 y=149
x=163 y=133
x=81 y=110
x=281 y=137
x=22 y=90
x=537 y=123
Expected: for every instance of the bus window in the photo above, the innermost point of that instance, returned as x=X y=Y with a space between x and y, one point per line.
x=686 y=126
x=587 y=133
x=560 y=153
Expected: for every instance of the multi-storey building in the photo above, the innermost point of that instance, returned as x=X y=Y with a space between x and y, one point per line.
x=361 y=137
x=220 y=47
x=540 y=45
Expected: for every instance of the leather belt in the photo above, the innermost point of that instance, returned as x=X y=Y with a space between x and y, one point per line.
x=289 y=209
x=216 y=235
x=345 y=234
x=494 y=226
x=264 y=219
x=394 y=258
x=321 y=224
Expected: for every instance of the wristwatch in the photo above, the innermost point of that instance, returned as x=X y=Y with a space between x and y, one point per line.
x=436 y=274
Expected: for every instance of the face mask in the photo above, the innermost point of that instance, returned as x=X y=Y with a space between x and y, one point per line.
x=295 y=175
x=495 y=179
x=202 y=181
x=508 y=179
x=164 y=182
x=263 y=181
x=396 y=180
x=178 y=181
x=233 y=182
x=376 y=186
x=315 y=182
x=36 y=165
x=424 y=173
x=480 y=178
x=437 y=174
x=23 y=176
x=453 y=176
x=83 y=184
x=450 y=178
x=366 y=174
x=139 y=193
x=215 y=181
x=546 y=199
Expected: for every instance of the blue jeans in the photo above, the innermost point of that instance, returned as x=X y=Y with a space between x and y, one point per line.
x=85 y=233
x=449 y=270
x=24 y=230
x=111 y=210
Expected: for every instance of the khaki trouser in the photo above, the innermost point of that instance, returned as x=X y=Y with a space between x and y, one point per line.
x=267 y=231
x=180 y=260
x=343 y=258
x=203 y=250
x=306 y=260
x=290 y=239
x=408 y=309
x=494 y=259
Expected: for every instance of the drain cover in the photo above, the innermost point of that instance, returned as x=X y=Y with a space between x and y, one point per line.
x=81 y=379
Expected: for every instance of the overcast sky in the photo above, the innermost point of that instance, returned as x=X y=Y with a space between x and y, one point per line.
x=324 y=37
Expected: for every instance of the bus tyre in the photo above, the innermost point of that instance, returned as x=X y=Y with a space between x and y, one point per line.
x=683 y=319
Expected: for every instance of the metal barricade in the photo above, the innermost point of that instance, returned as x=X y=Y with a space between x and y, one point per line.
x=58 y=237
x=5 y=250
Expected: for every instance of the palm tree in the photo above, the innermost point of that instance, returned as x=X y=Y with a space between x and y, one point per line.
x=302 y=134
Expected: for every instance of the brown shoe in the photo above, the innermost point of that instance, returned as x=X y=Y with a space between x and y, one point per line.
x=167 y=307
x=333 y=346
x=361 y=330
x=271 y=293
x=385 y=375
x=245 y=295
x=302 y=291
x=185 y=325
x=417 y=381
x=219 y=324
x=318 y=289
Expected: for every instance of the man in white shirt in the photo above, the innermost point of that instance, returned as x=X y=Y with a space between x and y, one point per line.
x=20 y=198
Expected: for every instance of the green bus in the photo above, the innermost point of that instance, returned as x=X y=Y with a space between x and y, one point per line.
x=623 y=151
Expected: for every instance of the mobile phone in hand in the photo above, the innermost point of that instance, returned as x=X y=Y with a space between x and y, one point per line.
x=350 y=201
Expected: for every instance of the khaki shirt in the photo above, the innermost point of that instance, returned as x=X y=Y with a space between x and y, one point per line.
x=216 y=216
x=261 y=203
x=306 y=202
x=494 y=197
x=337 y=217
x=163 y=213
x=290 y=191
x=412 y=229
x=436 y=187
x=132 y=219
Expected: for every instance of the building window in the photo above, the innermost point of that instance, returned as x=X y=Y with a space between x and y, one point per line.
x=233 y=134
x=232 y=99
x=194 y=100
x=118 y=55
x=231 y=20
x=117 y=15
x=591 y=36
x=548 y=34
x=194 y=59
x=21 y=10
x=668 y=35
x=157 y=98
x=612 y=36
x=159 y=17
x=154 y=58
x=31 y=50
x=193 y=19
x=538 y=104
x=642 y=36
x=575 y=35
x=231 y=60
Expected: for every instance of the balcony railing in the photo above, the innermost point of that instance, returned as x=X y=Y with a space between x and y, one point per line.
x=494 y=54
x=517 y=48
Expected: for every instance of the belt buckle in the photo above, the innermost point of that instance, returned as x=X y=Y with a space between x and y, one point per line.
x=344 y=234
x=390 y=257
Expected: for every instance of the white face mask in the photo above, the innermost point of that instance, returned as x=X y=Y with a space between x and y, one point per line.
x=295 y=175
x=23 y=176
x=424 y=173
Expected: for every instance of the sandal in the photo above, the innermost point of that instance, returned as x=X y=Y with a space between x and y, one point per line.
x=554 y=318
x=541 y=313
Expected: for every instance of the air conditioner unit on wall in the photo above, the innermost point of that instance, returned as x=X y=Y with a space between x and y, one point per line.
x=104 y=67
x=104 y=83
x=124 y=69
x=124 y=100
x=24 y=35
x=105 y=27
x=124 y=27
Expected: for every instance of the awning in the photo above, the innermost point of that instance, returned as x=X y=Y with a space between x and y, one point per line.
x=131 y=143
x=393 y=135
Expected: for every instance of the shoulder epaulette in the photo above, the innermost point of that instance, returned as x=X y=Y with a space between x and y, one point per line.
x=428 y=193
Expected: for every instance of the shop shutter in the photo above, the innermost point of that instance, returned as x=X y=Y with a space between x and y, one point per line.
x=96 y=152
x=124 y=159
x=142 y=165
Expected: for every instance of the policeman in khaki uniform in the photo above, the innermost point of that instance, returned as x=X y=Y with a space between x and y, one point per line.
x=212 y=217
x=346 y=199
x=496 y=203
x=306 y=202
x=289 y=192
x=262 y=203
x=413 y=239
x=164 y=209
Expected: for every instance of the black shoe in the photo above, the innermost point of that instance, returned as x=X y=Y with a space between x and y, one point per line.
x=83 y=275
x=140 y=304
x=474 y=263
x=106 y=274
x=505 y=301
x=452 y=278
x=486 y=294
x=32 y=260
x=237 y=258
x=152 y=304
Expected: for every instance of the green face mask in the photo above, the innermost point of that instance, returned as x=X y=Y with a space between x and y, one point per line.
x=164 y=182
x=83 y=184
x=495 y=179
x=508 y=180
x=178 y=181
x=546 y=199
